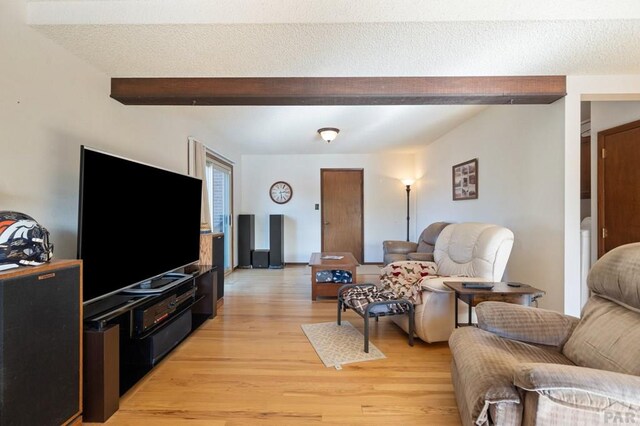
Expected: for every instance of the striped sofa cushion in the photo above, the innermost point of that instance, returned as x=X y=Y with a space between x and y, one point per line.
x=606 y=338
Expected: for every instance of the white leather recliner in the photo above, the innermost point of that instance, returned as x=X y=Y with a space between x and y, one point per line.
x=478 y=251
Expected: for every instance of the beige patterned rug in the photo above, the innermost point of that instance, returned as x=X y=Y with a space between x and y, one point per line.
x=339 y=344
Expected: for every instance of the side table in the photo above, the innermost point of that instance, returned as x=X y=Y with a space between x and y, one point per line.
x=501 y=292
x=327 y=261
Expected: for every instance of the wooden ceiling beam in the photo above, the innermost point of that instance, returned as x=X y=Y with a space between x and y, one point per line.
x=339 y=90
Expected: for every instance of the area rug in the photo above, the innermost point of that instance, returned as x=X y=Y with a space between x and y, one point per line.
x=339 y=344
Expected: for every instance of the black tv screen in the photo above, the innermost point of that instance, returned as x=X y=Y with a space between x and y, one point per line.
x=136 y=222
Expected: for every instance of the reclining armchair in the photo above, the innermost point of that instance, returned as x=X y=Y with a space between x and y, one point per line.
x=477 y=251
x=536 y=367
x=395 y=251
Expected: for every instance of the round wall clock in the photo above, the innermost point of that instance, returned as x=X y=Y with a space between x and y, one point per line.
x=281 y=192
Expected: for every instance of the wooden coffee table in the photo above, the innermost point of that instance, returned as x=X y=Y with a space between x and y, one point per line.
x=501 y=292
x=318 y=262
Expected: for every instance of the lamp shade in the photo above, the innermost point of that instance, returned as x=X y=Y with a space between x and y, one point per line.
x=408 y=182
x=328 y=134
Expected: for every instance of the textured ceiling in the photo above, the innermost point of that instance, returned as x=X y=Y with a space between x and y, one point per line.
x=196 y=38
x=322 y=11
x=392 y=49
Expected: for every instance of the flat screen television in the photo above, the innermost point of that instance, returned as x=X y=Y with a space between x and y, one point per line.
x=136 y=222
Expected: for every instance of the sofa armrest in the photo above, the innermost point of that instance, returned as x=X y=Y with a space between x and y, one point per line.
x=526 y=324
x=421 y=257
x=584 y=387
x=399 y=247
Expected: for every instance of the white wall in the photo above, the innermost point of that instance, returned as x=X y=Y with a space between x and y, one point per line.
x=51 y=103
x=605 y=115
x=384 y=199
x=520 y=163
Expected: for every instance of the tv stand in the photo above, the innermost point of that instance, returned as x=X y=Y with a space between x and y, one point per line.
x=108 y=305
x=125 y=341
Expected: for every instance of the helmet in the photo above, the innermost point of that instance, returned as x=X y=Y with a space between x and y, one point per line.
x=23 y=241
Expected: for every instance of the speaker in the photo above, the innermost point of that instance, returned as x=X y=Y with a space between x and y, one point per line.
x=160 y=343
x=101 y=378
x=218 y=262
x=276 y=241
x=246 y=239
x=260 y=258
x=40 y=317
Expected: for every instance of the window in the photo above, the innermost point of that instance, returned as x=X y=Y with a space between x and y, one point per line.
x=219 y=175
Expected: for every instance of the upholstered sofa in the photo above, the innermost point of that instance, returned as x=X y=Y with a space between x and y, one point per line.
x=477 y=251
x=395 y=251
x=531 y=366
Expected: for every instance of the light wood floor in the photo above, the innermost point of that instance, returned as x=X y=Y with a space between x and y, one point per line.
x=253 y=365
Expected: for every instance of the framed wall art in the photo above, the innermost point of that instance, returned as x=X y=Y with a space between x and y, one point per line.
x=465 y=180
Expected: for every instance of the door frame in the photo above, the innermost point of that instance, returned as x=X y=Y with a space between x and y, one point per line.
x=212 y=156
x=601 y=137
x=322 y=211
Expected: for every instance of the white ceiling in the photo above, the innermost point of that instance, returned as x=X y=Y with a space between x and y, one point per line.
x=363 y=129
x=186 y=38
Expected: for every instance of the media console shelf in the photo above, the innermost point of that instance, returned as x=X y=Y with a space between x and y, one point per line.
x=125 y=342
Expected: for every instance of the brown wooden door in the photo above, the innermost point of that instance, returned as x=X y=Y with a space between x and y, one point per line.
x=342 y=211
x=618 y=186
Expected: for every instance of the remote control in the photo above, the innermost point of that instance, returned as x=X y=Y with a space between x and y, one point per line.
x=514 y=284
x=478 y=285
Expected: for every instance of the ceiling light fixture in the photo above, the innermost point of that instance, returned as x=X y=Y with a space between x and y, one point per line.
x=328 y=134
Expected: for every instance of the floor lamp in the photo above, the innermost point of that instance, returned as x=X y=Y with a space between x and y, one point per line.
x=408 y=183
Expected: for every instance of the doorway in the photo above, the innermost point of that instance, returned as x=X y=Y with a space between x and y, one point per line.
x=219 y=175
x=342 y=218
x=618 y=191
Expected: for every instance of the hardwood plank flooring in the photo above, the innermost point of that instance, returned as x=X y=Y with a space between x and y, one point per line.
x=253 y=365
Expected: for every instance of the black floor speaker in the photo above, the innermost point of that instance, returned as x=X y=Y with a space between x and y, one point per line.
x=40 y=317
x=218 y=262
x=246 y=239
x=276 y=241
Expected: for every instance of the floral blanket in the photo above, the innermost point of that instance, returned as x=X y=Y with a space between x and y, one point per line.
x=403 y=278
x=359 y=298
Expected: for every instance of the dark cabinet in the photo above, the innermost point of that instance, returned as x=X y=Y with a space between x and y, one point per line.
x=40 y=352
x=206 y=282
